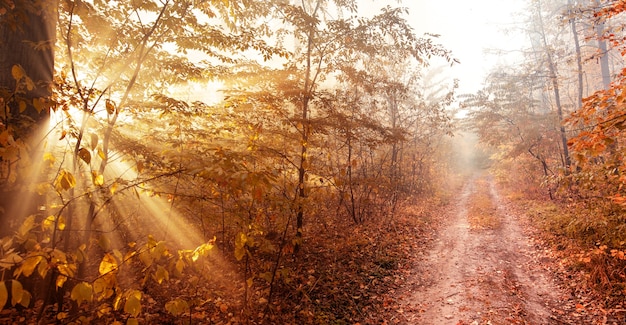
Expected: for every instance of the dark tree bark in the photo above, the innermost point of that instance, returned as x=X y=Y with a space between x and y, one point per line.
x=27 y=37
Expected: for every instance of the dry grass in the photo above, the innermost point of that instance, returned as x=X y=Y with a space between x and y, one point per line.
x=482 y=211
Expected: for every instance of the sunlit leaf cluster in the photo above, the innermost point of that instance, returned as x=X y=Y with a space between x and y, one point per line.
x=152 y=200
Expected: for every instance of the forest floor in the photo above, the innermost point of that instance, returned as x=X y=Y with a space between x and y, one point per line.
x=472 y=258
x=486 y=265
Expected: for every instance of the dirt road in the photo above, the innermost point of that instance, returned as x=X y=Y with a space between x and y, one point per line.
x=482 y=269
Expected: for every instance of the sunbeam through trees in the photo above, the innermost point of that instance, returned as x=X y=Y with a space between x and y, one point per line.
x=307 y=162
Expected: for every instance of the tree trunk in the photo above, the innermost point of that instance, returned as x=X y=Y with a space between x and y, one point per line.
x=27 y=39
x=555 y=86
x=579 y=64
x=604 y=53
x=306 y=97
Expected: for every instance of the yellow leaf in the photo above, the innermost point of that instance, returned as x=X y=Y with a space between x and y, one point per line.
x=240 y=246
x=61 y=281
x=98 y=180
x=161 y=275
x=132 y=321
x=85 y=155
x=4 y=294
x=110 y=105
x=17 y=72
x=105 y=309
x=30 y=85
x=146 y=258
x=61 y=223
x=108 y=264
x=68 y=181
x=81 y=255
x=104 y=242
x=180 y=265
x=10 y=260
x=38 y=104
x=133 y=303
x=177 y=306
x=43 y=268
x=117 y=303
x=64 y=181
x=17 y=291
x=29 y=265
x=26 y=297
x=139 y=166
x=118 y=255
x=48 y=223
x=82 y=292
x=22 y=105
x=48 y=156
x=103 y=286
x=26 y=226
x=94 y=141
x=113 y=188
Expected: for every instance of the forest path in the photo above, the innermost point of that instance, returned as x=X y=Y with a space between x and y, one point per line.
x=482 y=269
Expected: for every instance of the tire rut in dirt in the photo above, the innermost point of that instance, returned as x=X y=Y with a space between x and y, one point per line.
x=478 y=276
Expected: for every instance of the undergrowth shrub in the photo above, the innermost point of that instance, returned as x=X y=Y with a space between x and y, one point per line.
x=593 y=236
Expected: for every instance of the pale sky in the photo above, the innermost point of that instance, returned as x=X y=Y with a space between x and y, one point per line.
x=467 y=28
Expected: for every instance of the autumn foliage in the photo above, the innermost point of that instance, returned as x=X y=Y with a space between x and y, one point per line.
x=147 y=197
x=565 y=89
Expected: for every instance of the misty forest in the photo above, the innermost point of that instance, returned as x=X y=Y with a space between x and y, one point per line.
x=308 y=162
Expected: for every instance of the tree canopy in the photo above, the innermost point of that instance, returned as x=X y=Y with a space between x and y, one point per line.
x=199 y=141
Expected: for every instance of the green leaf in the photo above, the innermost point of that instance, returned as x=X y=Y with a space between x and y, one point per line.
x=82 y=292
